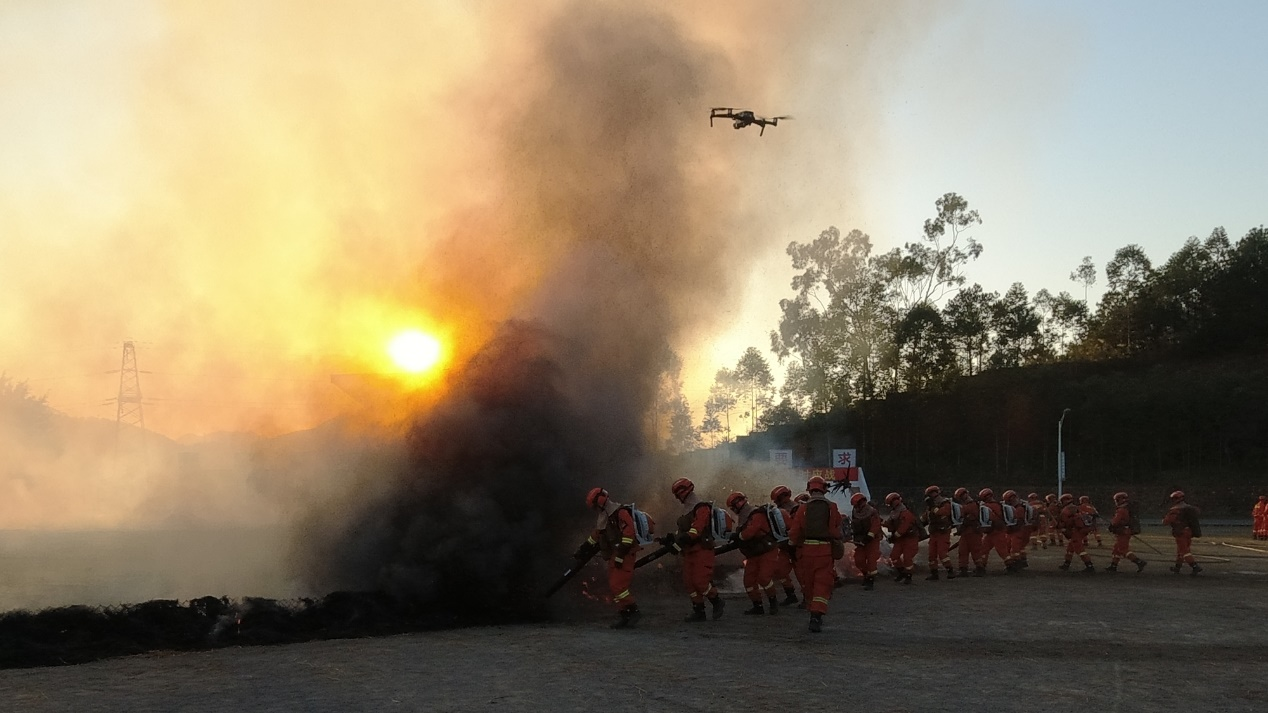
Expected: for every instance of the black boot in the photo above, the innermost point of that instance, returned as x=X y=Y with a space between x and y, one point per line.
x=933 y=575
x=1140 y=565
x=627 y=618
x=772 y=605
x=1089 y=568
x=1112 y=568
x=950 y=573
x=697 y=613
x=898 y=575
x=718 y=605
x=1175 y=568
x=869 y=583
x=979 y=571
x=1065 y=566
x=816 y=623
x=1194 y=569
x=790 y=597
x=906 y=578
x=757 y=608
x=964 y=572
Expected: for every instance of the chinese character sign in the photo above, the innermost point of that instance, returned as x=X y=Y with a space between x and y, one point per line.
x=844 y=458
x=781 y=457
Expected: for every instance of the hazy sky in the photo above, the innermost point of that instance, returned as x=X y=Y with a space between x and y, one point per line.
x=253 y=190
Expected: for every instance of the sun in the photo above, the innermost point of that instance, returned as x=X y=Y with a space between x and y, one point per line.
x=414 y=351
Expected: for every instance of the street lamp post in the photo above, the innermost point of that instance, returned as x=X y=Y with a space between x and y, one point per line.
x=1060 y=455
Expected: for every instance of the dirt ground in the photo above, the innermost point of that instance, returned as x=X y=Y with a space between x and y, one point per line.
x=1039 y=641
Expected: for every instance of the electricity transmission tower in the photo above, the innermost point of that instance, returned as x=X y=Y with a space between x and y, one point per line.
x=129 y=400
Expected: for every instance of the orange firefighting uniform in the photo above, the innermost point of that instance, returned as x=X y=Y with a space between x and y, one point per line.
x=1018 y=534
x=996 y=537
x=1260 y=515
x=1094 y=530
x=757 y=544
x=784 y=554
x=616 y=540
x=814 y=541
x=905 y=535
x=1043 y=525
x=1180 y=530
x=1120 y=526
x=970 y=532
x=1076 y=534
x=695 y=536
x=865 y=525
x=938 y=517
x=1056 y=534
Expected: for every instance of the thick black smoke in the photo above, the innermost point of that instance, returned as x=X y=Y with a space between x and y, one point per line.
x=605 y=191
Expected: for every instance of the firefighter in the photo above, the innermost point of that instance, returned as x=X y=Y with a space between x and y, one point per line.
x=800 y=500
x=994 y=531
x=1057 y=535
x=757 y=544
x=904 y=535
x=1087 y=508
x=1075 y=528
x=1183 y=519
x=695 y=539
x=865 y=530
x=938 y=518
x=816 y=533
x=1121 y=528
x=970 y=532
x=1259 y=513
x=1042 y=524
x=1019 y=531
x=781 y=496
x=614 y=536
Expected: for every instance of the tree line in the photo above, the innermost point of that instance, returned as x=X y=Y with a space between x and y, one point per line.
x=862 y=326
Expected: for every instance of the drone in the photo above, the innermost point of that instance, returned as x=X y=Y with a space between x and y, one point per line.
x=744 y=118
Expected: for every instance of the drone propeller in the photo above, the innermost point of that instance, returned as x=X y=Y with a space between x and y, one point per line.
x=777 y=118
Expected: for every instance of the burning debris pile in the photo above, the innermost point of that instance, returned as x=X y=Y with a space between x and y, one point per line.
x=79 y=634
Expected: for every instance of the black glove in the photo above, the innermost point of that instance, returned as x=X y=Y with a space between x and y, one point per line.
x=667 y=540
x=585 y=551
x=735 y=537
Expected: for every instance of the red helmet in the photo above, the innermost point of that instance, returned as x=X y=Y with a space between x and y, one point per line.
x=961 y=493
x=933 y=491
x=858 y=500
x=1033 y=496
x=682 y=488
x=1050 y=497
x=596 y=498
x=1083 y=499
x=1120 y=498
x=817 y=483
x=802 y=498
x=893 y=499
x=986 y=494
x=779 y=493
x=1067 y=498
x=735 y=501
x=1009 y=495
x=1178 y=495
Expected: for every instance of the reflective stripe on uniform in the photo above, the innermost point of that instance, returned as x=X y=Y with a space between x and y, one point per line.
x=816 y=542
x=821 y=600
